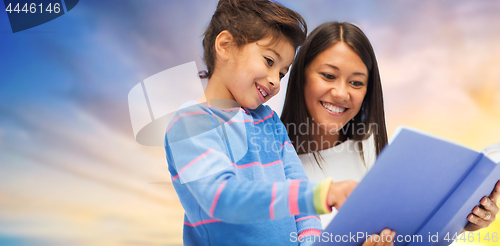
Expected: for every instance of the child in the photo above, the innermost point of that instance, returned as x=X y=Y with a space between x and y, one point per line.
x=236 y=174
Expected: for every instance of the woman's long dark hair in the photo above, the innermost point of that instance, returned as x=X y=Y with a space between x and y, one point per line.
x=370 y=116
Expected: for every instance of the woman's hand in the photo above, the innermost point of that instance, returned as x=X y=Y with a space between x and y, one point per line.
x=339 y=192
x=483 y=216
x=386 y=238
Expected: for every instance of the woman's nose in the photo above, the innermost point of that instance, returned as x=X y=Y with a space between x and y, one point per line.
x=340 y=90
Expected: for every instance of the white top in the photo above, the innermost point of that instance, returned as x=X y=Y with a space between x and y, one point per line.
x=493 y=152
x=342 y=162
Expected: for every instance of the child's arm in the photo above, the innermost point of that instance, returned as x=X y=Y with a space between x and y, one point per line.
x=201 y=165
x=224 y=196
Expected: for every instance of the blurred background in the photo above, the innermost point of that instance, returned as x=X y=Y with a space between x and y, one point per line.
x=71 y=172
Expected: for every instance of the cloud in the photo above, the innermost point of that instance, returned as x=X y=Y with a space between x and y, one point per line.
x=75 y=178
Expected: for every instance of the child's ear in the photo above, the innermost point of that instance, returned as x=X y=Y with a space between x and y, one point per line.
x=223 y=44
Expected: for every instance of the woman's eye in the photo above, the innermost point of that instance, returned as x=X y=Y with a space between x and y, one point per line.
x=328 y=76
x=282 y=75
x=357 y=83
x=270 y=62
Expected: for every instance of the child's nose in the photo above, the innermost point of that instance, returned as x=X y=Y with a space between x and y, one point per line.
x=274 y=81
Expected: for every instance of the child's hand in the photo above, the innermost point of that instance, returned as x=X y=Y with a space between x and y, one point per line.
x=381 y=240
x=339 y=192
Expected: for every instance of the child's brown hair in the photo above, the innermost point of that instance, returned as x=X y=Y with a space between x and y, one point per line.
x=249 y=21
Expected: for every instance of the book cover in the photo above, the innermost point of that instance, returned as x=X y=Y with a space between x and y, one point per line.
x=421 y=187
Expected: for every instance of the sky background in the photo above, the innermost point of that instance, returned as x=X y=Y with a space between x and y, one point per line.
x=71 y=172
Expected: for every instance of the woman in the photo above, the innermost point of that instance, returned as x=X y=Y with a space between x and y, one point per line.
x=335 y=90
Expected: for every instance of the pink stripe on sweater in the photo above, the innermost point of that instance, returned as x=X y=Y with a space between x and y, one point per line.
x=293 y=196
x=258 y=163
x=265 y=118
x=233 y=109
x=286 y=142
x=228 y=110
x=195 y=160
x=249 y=164
x=309 y=232
x=238 y=121
x=272 y=163
x=202 y=222
x=308 y=217
x=182 y=115
x=216 y=198
x=273 y=199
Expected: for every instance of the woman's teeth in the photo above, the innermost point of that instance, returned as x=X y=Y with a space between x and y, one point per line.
x=264 y=94
x=332 y=107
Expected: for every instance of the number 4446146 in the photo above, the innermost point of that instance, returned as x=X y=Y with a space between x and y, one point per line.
x=33 y=8
x=493 y=237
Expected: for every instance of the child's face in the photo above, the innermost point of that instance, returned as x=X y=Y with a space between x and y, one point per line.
x=255 y=70
x=336 y=84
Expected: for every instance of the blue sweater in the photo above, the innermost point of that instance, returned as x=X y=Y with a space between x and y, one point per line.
x=238 y=178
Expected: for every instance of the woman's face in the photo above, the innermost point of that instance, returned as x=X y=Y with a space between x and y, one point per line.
x=336 y=83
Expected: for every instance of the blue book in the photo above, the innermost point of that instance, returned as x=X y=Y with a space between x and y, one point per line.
x=421 y=187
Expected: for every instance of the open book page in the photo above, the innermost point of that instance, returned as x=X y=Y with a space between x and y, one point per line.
x=493 y=152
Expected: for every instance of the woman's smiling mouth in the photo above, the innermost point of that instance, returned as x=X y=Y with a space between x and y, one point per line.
x=332 y=108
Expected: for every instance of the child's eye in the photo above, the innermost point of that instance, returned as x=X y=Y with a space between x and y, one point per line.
x=328 y=76
x=270 y=62
x=357 y=83
x=282 y=75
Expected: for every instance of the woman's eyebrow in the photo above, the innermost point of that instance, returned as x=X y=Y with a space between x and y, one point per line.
x=336 y=68
x=332 y=66
x=358 y=73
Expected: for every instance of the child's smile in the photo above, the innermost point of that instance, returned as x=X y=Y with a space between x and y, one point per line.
x=264 y=92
